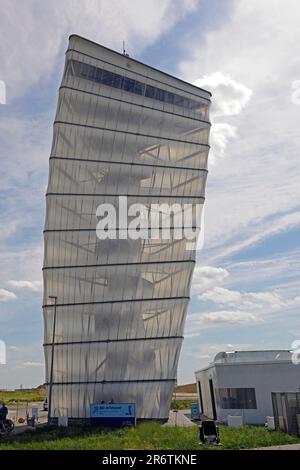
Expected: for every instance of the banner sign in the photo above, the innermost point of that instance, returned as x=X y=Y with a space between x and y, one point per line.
x=195 y=412
x=113 y=414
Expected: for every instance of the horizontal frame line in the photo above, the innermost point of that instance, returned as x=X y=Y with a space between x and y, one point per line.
x=104 y=302
x=92 y=382
x=115 y=162
x=193 y=227
x=152 y=338
x=130 y=133
x=148 y=196
x=118 y=264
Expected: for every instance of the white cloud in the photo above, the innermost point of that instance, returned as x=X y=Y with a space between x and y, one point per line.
x=25 y=355
x=246 y=307
x=209 y=350
x=197 y=322
x=260 y=231
x=253 y=300
x=6 y=295
x=221 y=296
x=220 y=136
x=33 y=364
x=228 y=316
x=229 y=99
x=253 y=193
x=21 y=262
x=262 y=303
x=33 y=36
x=268 y=297
x=2 y=92
x=207 y=276
x=35 y=286
x=8 y=229
x=229 y=96
x=276 y=270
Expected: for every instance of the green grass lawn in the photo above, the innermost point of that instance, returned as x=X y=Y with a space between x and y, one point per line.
x=148 y=436
x=22 y=396
x=182 y=404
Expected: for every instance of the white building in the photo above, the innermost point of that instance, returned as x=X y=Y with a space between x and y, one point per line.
x=125 y=129
x=240 y=383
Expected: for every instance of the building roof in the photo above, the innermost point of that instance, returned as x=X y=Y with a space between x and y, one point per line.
x=247 y=357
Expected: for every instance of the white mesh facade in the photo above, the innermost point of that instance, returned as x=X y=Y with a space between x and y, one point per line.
x=121 y=129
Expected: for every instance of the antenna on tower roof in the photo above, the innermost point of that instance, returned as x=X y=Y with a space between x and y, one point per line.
x=124 y=51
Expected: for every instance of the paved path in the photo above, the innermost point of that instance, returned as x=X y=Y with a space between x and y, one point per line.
x=179 y=419
x=283 y=447
x=15 y=412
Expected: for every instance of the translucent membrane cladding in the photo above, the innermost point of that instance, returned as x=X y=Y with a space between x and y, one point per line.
x=121 y=129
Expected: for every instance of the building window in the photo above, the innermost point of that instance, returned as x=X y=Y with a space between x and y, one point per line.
x=150 y=91
x=96 y=74
x=128 y=84
x=236 y=398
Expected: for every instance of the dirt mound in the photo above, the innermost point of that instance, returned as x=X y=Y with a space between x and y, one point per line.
x=188 y=388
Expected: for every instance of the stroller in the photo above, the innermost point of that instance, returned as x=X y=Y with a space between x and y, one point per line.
x=209 y=433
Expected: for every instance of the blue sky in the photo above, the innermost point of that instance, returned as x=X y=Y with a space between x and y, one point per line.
x=245 y=292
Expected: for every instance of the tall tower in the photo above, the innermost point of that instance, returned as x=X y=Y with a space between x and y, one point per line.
x=122 y=128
